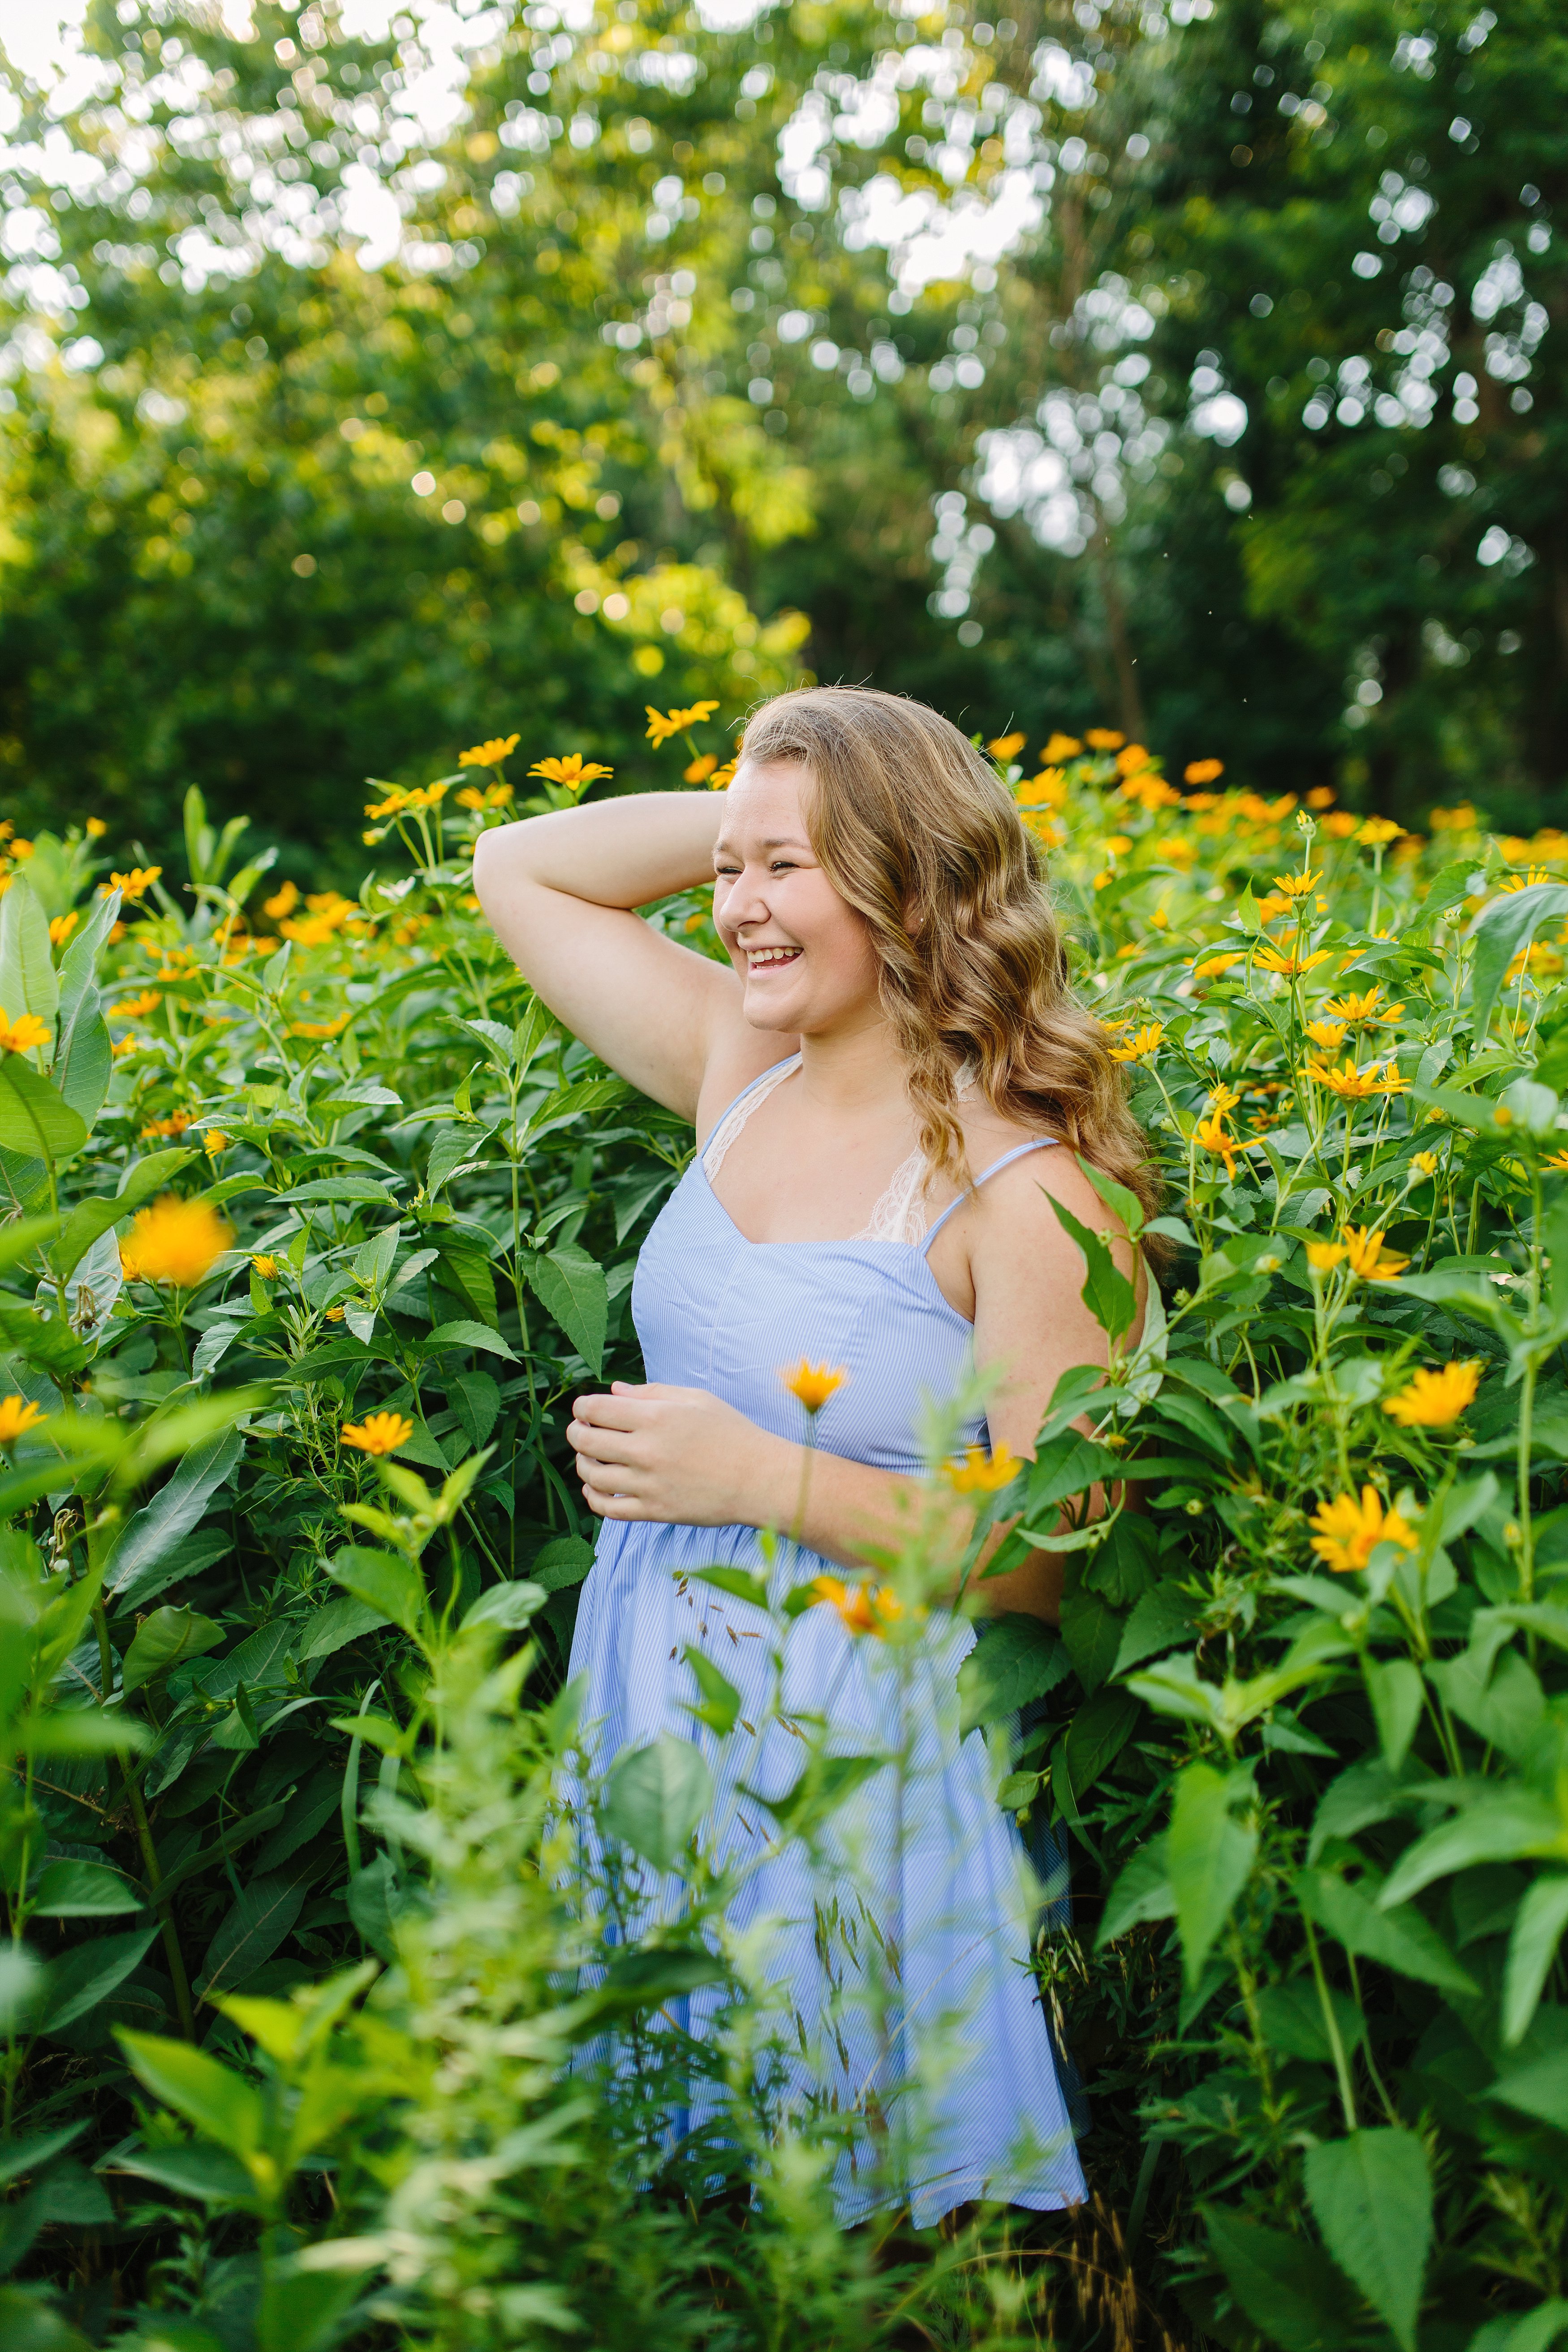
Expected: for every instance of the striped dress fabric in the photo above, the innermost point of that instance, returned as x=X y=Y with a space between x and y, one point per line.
x=897 y=1964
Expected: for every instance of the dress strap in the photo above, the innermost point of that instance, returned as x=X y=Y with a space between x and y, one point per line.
x=732 y=1121
x=1039 y=1144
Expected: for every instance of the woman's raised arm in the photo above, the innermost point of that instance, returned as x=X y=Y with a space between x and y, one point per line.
x=560 y=891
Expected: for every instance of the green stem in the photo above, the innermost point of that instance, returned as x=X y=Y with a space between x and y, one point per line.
x=1332 y=2028
x=149 y=1851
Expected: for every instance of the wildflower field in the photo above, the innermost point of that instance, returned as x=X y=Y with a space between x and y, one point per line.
x=315 y=1223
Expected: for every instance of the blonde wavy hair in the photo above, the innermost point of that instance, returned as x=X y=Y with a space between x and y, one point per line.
x=916 y=831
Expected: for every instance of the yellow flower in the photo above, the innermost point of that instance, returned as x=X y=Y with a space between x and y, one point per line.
x=1392 y=1082
x=723 y=778
x=1147 y=790
x=1273 y=906
x=1363 y=1247
x=1349 y=1532
x=575 y=772
x=136 y=1008
x=95 y=828
x=1223 y=1098
x=1202 y=772
x=1339 y=824
x=1426 y=1161
x=62 y=927
x=700 y=769
x=1004 y=747
x=135 y=884
x=980 y=1473
x=1047 y=790
x=214 y=1141
x=1377 y=830
x=1104 y=738
x=863 y=1608
x=473 y=797
x=490 y=754
x=334 y=1313
x=1142 y=1046
x=20 y=1036
x=319 y=1028
x=1214 y=967
x=396 y=799
x=1272 y=959
x=1532 y=873
x=1324 y=1256
x=16 y=1415
x=175 y=1241
x=1117 y=846
x=1295 y=885
x=1328 y=1035
x=1368 y=1009
x=1060 y=747
x=663 y=724
x=166 y=1129
x=267 y=1267
x=812 y=1384
x=1349 y=1084
x=1128 y=762
x=1558 y=1160
x=283 y=901
x=1211 y=1135
x=378 y=1433
x=123 y=1045
x=1433 y=1400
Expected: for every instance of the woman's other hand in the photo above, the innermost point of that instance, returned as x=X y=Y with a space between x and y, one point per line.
x=680 y=1456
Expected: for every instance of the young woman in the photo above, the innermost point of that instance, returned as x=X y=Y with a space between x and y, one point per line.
x=876 y=1080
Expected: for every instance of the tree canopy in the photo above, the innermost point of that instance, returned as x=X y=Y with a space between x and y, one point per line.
x=1188 y=369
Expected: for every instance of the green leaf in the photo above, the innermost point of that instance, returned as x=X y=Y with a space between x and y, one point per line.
x=1499 y=931
x=1536 y=2331
x=34 y=1117
x=1092 y=1631
x=719 y=1705
x=1403 y=1940
x=1209 y=1857
x=89 y=1974
x=464 y=1333
x=1397 y=1693
x=83 y=1890
x=29 y=2323
x=18 y=2158
x=1291 y=2016
x=386 y=1582
x=476 y=1400
x=202 y=1548
x=1531 y=1949
x=1142 y=1891
x=1116 y=1197
x=1161 y=1619
x=561 y=1563
x=511 y=1606
x=741 y=1583
x=216 y=2102
x=28 y=982
x=1281 y=2284
x=570 y=1287
x=251 y=1932
x=1512 y=1826
x=826 y=1784
x=1015 y=1659
x=1504 y=1706
x=92 y=1217
x=82 y=1731
x=1109 y=1297
x=640 y=1980
x=1537 y=2086
x=353 y=1190
x=335 y=1626
x=1371 y=2196
x=162 y=1640
x=655 y=1797
x=151 y=1535
x=1097 y=1734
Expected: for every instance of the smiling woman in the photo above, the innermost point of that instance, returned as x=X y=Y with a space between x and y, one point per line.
x=876 y=1081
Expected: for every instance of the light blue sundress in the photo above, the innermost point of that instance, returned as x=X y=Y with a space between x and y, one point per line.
x=930 y=1892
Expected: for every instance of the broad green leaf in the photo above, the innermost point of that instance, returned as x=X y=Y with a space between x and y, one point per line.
x=655 y=1797
x=464 y=1333
x=1291 y=2016
x=251 y=1932
x=1537 y=2086
x=1015 y=1659
x=1141 y=1892
x=82 y=1731
x=202 y=1548
x=215 y=2101
x=89 y=1974
x=1534 y=2331
x=1282 y=2283
x=1209 y=1857
x=563 y=1562
x=475 y=1398
x=1097 y=1734
x=1396 y=1693
x=509 y=1606
x=639 y=1979
x=1116 y=1197
x=741 y=1583
x=35 y=1118
x=1092 y=1631
x=1504 y=1706
x=569 y=1285
x=385 y=1581
x=162 y=1640
x=175 y=1510
x=84 y=1063
x=28 y=982
x=18 y=2158
x=1532 y=1947
x=1371 y=2196
x=1404 y=1940
x=1109 y=1297
x=825 y=1784
x=333 y=1627
x=1514 y=1825
x=1161 y=1619
x=82 y=1890
x=719 y=1705
x=1499 y=931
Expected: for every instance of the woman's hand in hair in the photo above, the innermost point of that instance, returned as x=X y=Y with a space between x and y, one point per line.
x=680 y=1456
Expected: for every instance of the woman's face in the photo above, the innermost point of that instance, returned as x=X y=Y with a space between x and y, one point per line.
x=804 y=955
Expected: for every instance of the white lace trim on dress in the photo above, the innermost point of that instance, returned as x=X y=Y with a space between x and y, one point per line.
x=899 y=1215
